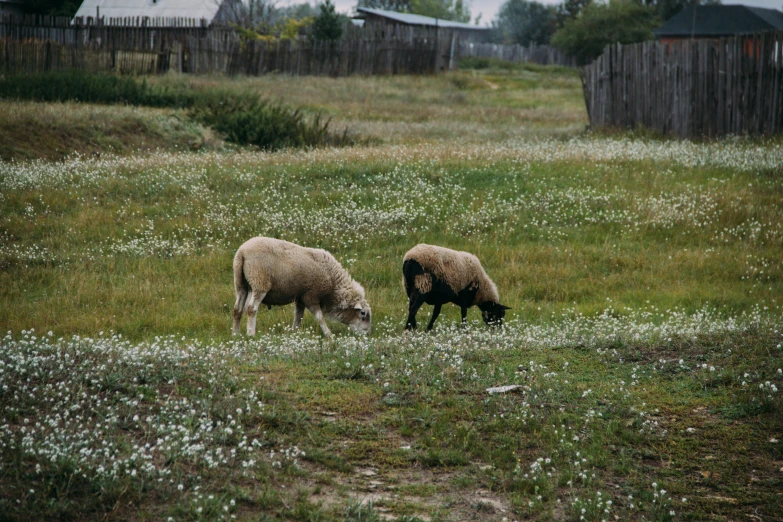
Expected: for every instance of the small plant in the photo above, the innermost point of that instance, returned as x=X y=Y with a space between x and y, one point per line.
x=358 y=512
x=596 y=507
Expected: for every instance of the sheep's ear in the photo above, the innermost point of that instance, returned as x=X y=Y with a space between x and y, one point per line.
x=503 y=307
x=357 y=306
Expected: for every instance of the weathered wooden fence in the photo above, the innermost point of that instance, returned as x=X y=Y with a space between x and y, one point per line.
x=690 y=88
x=541 y=54
x=38 y=44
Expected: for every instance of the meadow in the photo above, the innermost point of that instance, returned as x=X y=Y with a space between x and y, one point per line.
x=645 y=278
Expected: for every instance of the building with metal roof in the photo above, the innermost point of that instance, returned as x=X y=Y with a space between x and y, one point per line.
x=716 y=21
x=209 y=10
x=378 y=18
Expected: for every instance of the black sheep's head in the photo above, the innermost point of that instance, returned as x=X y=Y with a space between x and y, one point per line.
x=493 y=313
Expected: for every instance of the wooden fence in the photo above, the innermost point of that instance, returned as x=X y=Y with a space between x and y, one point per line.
x=39 y=44
x=541 y=54
x=690 y=88
x=149 y=46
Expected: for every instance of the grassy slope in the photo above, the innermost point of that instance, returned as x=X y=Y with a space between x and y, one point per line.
x=476 y=106
x=143 y=247
x=53 y=131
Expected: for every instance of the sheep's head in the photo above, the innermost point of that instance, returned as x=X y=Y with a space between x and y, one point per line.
x=493 y=313
x=361 y=320
x=359 y=315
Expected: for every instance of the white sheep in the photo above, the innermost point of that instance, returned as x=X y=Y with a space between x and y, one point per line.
x=276 y=273
x=437 y=275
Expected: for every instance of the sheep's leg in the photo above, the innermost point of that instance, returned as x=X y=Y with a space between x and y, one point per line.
x=253 y=302
x=435 y=314
x=416 y=300
x=464 y=312
x=298 y=314
x=239 y=307
x=319 y=316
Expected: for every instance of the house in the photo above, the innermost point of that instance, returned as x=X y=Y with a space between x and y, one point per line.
x=113 y=11
x=717 y=21
x=11 y=7
x=378 y=19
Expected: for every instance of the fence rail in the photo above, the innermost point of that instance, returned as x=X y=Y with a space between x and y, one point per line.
x=690 y=88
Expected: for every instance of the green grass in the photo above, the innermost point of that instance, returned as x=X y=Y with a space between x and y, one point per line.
x=242 y=118
x=644 y=278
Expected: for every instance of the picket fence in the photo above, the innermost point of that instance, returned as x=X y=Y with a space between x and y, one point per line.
x=690 y=88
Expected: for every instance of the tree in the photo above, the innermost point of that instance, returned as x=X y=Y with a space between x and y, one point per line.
x=455 y=10
x=296 y=11
x=665 y=9
x=401 y=6
x=253 y=15
x=569 y=9
x=328 y=25
x=52 y=7
x=523 y=22
x=619 y=21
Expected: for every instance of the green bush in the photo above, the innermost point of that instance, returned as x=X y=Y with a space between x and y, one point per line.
x=249 y=120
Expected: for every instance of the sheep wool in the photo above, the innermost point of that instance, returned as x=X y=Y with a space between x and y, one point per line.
x=437 y=275
x=274 y=272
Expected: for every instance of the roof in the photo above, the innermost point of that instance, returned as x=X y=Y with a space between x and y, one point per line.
x=413 y=19
x=721 y=20
x=152 y=8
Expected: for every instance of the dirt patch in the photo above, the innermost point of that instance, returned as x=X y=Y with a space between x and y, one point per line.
x=416 y=492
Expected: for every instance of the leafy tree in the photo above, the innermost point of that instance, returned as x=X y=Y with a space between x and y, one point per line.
x=52 y=7
x=569 y=9
x=401 y=6
x=455 y=10
x=327 y=25
x=296 y=12
x=251 y=15
x=524 y=22
x=619 y=21
x=665 y=9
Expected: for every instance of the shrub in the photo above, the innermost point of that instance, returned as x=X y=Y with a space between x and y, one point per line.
x=249 y=120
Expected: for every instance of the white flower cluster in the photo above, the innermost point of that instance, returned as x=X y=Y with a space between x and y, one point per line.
x=107 y=406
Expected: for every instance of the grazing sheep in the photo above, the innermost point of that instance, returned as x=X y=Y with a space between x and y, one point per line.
x=437 y=275
x=276 y=273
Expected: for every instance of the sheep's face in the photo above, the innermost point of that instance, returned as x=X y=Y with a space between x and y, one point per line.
x=362 y=318
x=493 y=313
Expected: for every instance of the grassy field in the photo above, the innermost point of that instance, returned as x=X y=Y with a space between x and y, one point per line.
x=645 y=278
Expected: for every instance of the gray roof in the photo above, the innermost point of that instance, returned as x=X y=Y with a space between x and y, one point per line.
x=159 y=8
x=413 y=19
x=721 y=20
